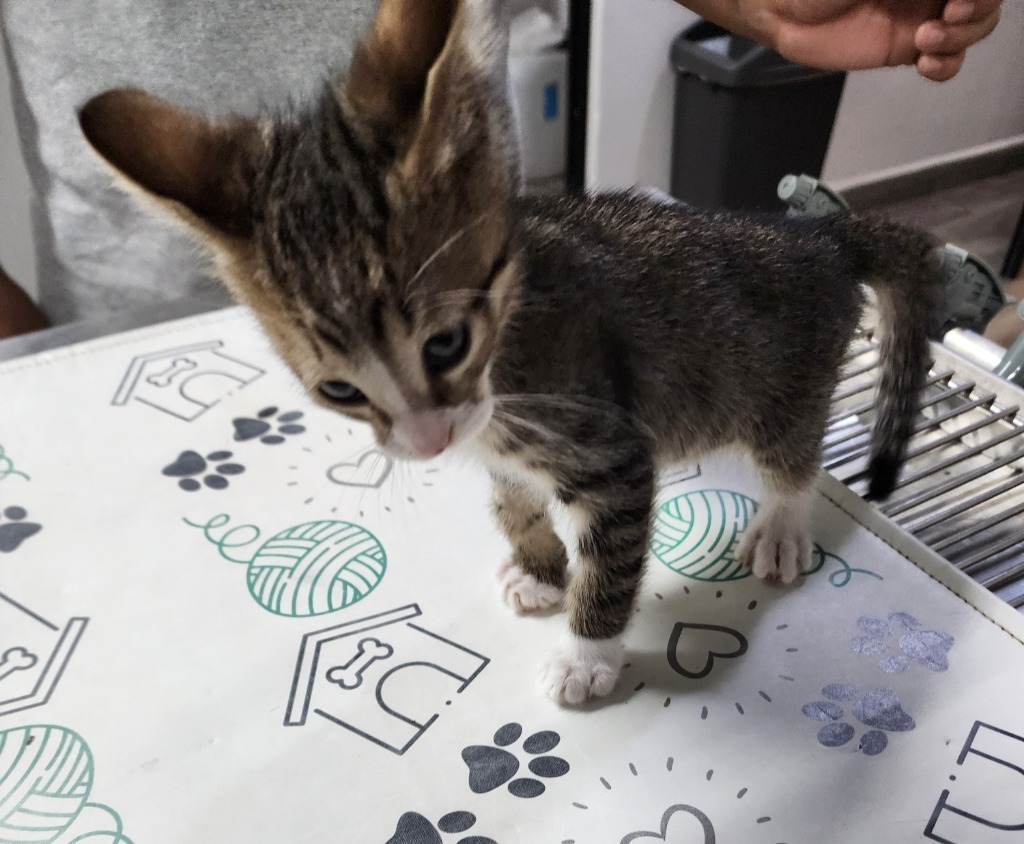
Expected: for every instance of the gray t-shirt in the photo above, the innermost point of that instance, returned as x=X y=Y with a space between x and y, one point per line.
x=97 y=253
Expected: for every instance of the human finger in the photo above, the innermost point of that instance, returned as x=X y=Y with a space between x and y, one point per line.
x=940 y=68
x=939 y=38
x=967 y=11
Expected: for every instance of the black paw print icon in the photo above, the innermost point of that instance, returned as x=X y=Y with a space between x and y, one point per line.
x=262 y=427
x=191 y=465
x=15 y=529
x=490 y=767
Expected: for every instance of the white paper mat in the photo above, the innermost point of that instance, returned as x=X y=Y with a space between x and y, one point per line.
x=225 y=618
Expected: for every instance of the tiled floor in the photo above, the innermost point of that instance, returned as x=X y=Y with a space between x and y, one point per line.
x=978 y=216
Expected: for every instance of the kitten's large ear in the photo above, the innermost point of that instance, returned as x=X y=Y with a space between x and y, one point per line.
x=388 y=76
x=436 y=71
x=204 y=168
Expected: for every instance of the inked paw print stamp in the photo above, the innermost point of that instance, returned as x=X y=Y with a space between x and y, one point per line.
x=878 y=709
x=491 y=767
x=413 y=828
x=269 y=427
x=14 y=529
x=214 y=470
x=917 y=646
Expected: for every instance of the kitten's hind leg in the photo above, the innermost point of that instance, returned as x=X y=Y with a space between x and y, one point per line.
x=614 y=530
x=534 y=577
x=776 y=545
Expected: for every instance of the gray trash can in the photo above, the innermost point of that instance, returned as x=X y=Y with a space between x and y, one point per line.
x=744 y=118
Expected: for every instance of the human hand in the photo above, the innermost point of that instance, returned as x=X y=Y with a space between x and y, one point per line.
x=933 y=35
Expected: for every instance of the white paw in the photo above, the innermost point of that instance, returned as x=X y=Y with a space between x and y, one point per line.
x=581 y=669
x=775 y=549
x=523 y=592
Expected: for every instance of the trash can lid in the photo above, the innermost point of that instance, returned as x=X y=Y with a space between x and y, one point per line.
x=716 y=55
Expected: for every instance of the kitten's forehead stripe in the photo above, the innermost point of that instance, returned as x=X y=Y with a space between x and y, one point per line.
x=331 y=337
x=376 y=317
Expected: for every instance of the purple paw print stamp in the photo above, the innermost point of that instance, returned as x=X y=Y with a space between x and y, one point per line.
x=902 y=641
x=878 y=709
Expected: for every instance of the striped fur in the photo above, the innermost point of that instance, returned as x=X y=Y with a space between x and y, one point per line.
x=609 y=335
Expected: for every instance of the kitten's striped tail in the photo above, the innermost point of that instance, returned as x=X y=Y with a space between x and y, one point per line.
x=902 y=267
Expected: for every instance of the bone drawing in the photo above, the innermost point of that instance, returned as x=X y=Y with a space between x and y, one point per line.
x=350 y=675
x=16 y=659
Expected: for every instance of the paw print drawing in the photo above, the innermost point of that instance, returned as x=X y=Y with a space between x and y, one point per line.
x=262 y=427
x=190 y=465
x=490 y=767
x=878 y=708
x=15 y=529
x=413 y=828
x=929 y=648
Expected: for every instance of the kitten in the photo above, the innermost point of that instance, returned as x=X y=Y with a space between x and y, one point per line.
x=574 y=344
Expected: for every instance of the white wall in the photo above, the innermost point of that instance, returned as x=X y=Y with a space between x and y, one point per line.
x=17 y=253
x=892 y=119
x=889 y=119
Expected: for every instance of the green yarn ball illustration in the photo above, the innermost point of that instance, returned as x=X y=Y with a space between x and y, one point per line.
x=46 y=775
x=696 y=534
x=316 y=568
x=310 y=569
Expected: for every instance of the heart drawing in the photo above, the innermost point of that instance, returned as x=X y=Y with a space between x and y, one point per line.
x=369 y=472
x=693 y=648
x=683 y=831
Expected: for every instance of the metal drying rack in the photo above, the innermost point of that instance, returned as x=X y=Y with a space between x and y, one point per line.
x=962 y=490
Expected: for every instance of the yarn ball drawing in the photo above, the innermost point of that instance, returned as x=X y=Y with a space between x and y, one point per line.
x=316 y=568
x=310 y=569
x=696 y=534
x=46 y=774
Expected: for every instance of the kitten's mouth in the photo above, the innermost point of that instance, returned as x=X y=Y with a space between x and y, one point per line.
x=426 y=434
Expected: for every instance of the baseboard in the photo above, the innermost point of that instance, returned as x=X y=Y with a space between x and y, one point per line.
x=933 y=174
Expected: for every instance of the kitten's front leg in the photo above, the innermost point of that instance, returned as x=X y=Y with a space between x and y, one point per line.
x=613 y=521
x=534 y=577
x=776 y=545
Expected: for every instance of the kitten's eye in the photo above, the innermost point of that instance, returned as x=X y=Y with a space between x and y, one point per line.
x=342 y=391
x=443 y=351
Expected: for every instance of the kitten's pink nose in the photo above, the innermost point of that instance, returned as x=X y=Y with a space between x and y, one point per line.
x=429 y=432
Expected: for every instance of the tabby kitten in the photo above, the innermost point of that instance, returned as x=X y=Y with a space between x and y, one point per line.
x=574 y=344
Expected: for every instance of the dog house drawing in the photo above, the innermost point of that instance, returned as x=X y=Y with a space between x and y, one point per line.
x=985 y=799
x=383 y=677
x=33 y=655
x=184 y=382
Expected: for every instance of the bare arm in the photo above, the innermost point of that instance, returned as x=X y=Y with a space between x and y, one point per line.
x=933 y=35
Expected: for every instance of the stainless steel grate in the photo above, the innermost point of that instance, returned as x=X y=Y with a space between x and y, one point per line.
x=962 y=490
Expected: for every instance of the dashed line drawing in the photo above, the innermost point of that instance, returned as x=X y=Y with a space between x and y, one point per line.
x=382 y=677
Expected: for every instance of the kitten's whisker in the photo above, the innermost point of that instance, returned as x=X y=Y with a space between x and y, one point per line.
x=564 y=400
x=538 y=428
x=444 y=247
